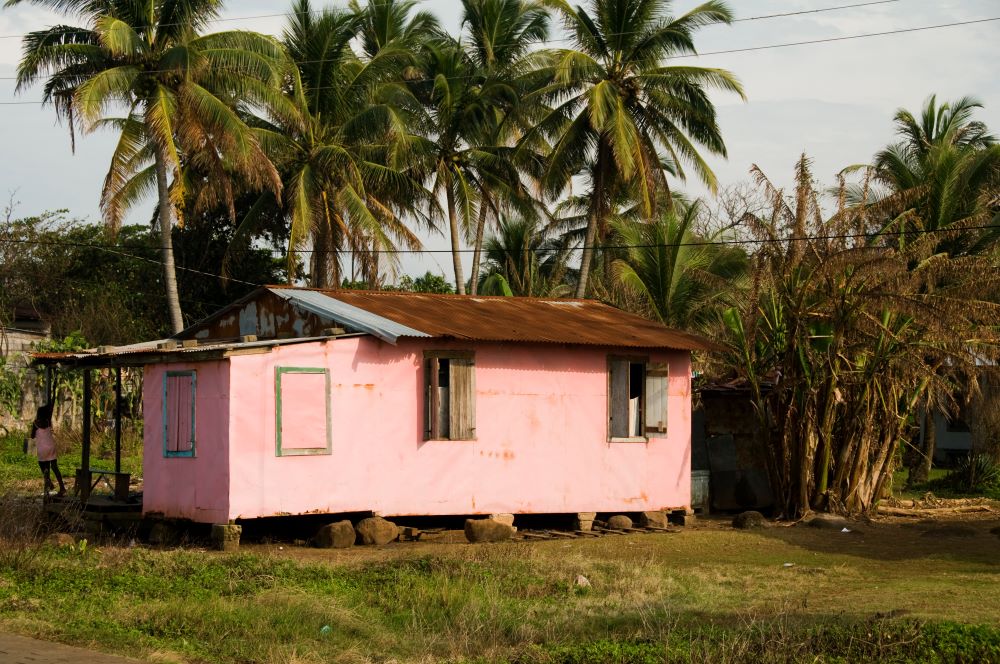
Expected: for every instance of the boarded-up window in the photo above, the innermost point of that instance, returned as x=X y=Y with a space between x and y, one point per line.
x=302 y=411
x=449 y=395
x=179 y=389
x=637 y=399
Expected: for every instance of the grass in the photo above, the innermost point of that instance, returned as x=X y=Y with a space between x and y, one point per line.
x=703 y=595
x=937 y=483
x=887 y=592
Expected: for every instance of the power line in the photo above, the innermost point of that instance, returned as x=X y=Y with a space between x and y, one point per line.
x=693 y=55
x=814 y=11
x=117 y=251
x=321 y=11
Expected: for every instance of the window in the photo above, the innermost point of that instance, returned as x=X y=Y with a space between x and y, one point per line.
x=302 y=411
x=179 y=388
x=637 y=399
x=449 y=395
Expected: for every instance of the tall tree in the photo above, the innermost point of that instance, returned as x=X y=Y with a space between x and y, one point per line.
x=619 y=112
x=943 y=173
x=179 y=89
x=452 y=108
x=336 y=148
x=942 y=178
x=500 y=36
x=833 y=338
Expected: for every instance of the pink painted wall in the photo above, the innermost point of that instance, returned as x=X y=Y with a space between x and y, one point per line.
x=541 y=416
x=194 y=488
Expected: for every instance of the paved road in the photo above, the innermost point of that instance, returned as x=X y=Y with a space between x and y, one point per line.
x=21 y=650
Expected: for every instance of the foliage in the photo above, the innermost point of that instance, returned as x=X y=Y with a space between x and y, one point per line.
x=834 y=338
x=338 y=147
x=942 y=178
x=975 y=473
x=623 y=117
x=522 y=261
x=179 y=89
x=83 y=279
x=682 y=279
x=428 y=283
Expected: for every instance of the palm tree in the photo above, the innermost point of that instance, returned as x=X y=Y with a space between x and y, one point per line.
x=334 y=146
x=522 y=261
x=619 y=112
x=452 y=108
x=179 y=89
x=943 y=173
x=681 y=279
x=501 y=34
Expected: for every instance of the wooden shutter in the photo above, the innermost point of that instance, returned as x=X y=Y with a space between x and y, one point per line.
x=462 y=376
x=657 y=374
x=431 y=403
x=618 y=398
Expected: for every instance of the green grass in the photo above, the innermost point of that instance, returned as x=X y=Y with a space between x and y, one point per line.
x=889 y=594
x=716 y=595
x=937 y=483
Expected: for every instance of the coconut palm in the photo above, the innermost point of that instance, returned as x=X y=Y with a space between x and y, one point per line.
x=680 y=278
x=522 y=261
x=943 y=173
x=333 y=145
x=179 y=90
x=619 y=110
x=500 y=36
x=451 y=106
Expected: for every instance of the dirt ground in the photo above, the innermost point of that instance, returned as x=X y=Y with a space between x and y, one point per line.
x=974 y=536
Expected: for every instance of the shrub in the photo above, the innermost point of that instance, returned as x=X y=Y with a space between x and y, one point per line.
x=976 y=473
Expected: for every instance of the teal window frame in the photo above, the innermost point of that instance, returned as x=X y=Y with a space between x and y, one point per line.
x=307 y=451
x=184 y=454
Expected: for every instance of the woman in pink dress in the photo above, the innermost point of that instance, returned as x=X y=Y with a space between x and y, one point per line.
x=45 y=442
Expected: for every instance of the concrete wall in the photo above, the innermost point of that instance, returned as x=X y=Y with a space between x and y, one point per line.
x=541 y=442
x=195 y=488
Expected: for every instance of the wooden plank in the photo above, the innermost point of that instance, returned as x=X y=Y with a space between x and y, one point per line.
x=559 y=533
x=655 y=419
x=618 y=397
x=462 y=378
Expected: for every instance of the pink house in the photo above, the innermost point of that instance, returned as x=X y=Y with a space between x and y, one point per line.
x=295 y=401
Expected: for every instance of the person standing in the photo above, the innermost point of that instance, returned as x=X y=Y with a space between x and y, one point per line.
x=45 y=443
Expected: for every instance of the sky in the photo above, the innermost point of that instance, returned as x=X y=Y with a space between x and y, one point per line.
x=833 y=101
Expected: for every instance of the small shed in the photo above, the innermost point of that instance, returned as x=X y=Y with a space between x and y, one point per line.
x=294 y=401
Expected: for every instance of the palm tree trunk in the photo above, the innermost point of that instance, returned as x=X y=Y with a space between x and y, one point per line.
x=166 y=218
x=588 y=251
x=597 y=195
x=478 y=250
x=456 y=246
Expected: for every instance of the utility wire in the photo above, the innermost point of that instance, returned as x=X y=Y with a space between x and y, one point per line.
x=688 y=55
x=321 y=11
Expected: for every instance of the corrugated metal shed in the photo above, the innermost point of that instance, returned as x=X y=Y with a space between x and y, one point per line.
x=391 y=315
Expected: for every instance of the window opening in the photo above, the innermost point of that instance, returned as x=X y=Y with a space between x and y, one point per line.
x=637 y=399
x=449 y=390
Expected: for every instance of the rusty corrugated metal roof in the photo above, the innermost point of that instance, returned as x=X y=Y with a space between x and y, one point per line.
x=479 y=318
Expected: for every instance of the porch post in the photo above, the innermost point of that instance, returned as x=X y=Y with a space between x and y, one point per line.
x=85 y=478
x=48 y=384
x=118 y=419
